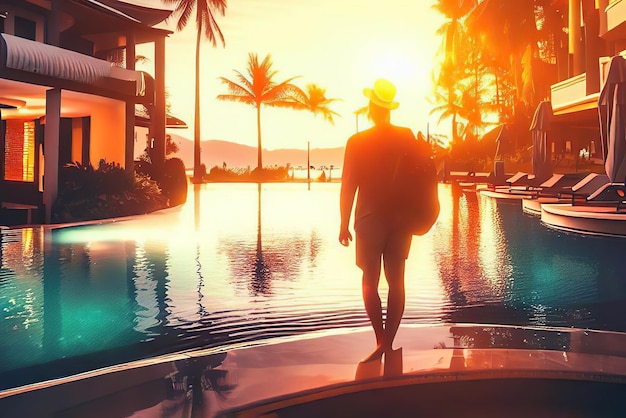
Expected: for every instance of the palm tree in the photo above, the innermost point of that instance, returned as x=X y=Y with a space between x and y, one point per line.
x=316 y=102
x=453 y=49
x=205 y=23
x=524 y=39
x=259 y=88
x=510 y=30
x=361 y=111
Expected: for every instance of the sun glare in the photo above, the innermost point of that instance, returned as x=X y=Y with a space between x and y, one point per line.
x=397 y=61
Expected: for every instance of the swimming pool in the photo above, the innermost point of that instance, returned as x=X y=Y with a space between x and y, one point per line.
x=237 y=264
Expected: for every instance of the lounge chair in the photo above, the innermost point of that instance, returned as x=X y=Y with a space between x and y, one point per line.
x=524 y=181
x=585 y=187
x=558 y=184
x=609 y=194
x=519 y=178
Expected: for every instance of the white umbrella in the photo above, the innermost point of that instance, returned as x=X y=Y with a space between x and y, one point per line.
x=539 y=128
x=612 y=113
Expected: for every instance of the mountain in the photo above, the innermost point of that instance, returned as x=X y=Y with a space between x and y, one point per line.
x=216 y=152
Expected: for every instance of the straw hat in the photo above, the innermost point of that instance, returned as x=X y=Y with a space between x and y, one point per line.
x=382 y=94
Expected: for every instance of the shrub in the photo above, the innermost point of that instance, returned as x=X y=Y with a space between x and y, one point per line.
x=267 y=174
x=109 y=191
x=172 y=178
x=173 y=181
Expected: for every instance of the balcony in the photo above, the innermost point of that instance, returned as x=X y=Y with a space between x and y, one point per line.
x=571 y=95
x=615 y=20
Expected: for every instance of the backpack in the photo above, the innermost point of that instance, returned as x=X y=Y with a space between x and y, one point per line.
x=416 y=188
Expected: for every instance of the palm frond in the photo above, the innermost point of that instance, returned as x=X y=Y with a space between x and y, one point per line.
x=236 y=98
x=282 y=91
x=236 y=89
x=245 y=82
x=285 y=104
x=184 y=11
x=205 y=19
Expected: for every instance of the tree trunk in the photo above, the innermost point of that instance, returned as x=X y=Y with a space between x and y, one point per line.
x=259 y=148
x=197 y=175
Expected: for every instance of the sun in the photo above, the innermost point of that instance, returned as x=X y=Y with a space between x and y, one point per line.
x=398 y=61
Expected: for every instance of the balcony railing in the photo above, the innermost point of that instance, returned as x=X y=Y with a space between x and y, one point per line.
x=615 y=14
x=569 y=92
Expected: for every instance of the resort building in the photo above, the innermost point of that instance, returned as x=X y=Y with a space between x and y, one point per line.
x=596 y=32
x=69 y=90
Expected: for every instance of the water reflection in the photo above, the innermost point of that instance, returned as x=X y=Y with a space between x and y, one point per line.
x=239 y=263
x=256 y=268
x=190 y=387
x=462 y=249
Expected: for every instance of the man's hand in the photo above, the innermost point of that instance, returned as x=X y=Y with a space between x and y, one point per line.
x=345 y=237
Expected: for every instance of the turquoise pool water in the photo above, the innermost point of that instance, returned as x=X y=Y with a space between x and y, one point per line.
x=237 y=264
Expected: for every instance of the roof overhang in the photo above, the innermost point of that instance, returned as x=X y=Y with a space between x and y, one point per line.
x=93 y=19
x=149 y=16
x=143 y=118
x=582 y=114
x=38 y=60
x=585 y=103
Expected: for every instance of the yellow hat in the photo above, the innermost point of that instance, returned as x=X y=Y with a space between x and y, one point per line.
x=382 y=94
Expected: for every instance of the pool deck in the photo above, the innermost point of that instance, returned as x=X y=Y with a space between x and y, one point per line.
x=254 y=380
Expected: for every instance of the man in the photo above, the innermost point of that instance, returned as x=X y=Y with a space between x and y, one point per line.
x=371 y=156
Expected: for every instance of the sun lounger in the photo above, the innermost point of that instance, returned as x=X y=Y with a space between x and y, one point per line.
x=558 y=184
x=609 y=194
x=524 y=181
x=585 y=187
x=517 y=179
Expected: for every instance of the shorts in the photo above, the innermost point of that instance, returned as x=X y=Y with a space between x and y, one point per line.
x=375 y=239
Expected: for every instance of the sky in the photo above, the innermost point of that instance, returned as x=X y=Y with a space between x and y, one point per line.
x=343 y=46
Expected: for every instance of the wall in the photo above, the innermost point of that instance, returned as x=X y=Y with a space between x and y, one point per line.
x=108 y=132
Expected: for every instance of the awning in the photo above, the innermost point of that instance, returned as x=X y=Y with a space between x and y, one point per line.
x=147 y=15
x=142 y=118
x=51 y=61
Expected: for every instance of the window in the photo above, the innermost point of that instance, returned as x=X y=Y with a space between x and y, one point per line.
x=25 y=28
x=20 y=22
x=19 y=155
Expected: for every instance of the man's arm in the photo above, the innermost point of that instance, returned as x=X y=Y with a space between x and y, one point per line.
x=346 y=196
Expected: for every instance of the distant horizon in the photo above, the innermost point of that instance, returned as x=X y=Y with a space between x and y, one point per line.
x=254 y=146
x=215 y=152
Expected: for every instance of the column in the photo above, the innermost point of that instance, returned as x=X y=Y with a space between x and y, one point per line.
x=157 y=118
x=51 y=150
x=575 y=52
x=129 y=152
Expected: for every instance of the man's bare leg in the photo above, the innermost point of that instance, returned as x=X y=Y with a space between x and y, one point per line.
x=373 y=307
x=394 y=273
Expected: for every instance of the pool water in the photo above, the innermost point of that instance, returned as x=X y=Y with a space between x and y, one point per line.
x=240 y=263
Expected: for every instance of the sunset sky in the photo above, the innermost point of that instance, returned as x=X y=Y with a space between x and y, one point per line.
x=342 y=46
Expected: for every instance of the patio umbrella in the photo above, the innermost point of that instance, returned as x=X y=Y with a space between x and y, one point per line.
x=539 y=128
x=612 y=113
x=502 y=141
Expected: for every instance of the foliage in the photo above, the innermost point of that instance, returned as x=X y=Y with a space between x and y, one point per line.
x=316 y=102
x=171 y=178
x=267 y=174
x=170 y=148
x=259 y=88
x=88 y=193
x=497 y=58
x=173 y=181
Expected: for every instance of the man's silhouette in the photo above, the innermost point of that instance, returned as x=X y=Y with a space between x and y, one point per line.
x=370 y=160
